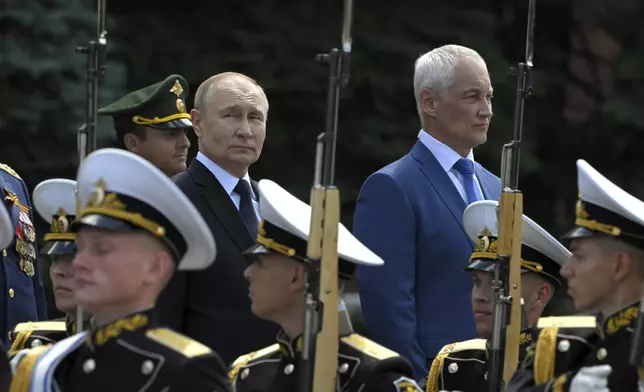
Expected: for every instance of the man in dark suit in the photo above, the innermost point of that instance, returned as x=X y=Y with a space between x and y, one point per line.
x=212 y=306
x=410 y=213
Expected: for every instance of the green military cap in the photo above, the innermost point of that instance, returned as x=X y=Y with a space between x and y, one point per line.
x=161 y=105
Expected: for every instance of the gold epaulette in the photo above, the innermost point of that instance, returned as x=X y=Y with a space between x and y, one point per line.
x=567 y=322
x=244 y=359
x=9 y=170
x=180 y=343
x=23 y=331
x=437 y=364
x=368 y=347
x=22 y=377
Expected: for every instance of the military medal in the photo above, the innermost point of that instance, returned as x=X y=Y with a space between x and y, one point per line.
x=27 y=227
x=27 y=266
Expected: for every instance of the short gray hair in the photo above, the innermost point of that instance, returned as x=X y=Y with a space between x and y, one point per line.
x=435 y=69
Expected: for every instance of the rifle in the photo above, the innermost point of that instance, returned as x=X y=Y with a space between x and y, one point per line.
x=504 y=348
x=95 y=52
x=320 y=340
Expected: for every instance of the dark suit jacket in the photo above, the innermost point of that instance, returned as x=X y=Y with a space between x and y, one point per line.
x=212 y=306
x=22 y=296
x=411 y=214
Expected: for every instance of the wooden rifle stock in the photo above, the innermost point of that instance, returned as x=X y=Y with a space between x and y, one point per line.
x=508 y=317
x=321 y=338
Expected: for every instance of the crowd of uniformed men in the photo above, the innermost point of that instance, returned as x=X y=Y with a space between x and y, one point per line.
x=125 y=231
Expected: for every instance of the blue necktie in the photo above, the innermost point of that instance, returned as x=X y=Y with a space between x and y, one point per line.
x=246 y=208
x=466 y=168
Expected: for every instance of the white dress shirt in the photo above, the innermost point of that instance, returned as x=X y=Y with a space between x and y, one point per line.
x=447 y=157
x=229 y=182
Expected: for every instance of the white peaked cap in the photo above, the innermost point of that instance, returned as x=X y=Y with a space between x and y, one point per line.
x=291 y=215
x=6 y=228
x=483 y=215
x=50 y=196
x=604 y=208
x=119 y=190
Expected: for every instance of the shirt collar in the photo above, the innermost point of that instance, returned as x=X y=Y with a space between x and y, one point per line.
x=289 y=347
x=625 y=317
x=227 y=180
x=444 y=154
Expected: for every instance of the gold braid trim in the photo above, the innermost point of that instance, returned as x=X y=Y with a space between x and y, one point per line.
x=640 y=373
x=435 y=373
x=558 y=385
x=544 y=358
x=19 y=342
x=22 y=378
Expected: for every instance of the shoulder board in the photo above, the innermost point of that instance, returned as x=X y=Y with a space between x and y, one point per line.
x=9 y=170
x=244 y=359
x=368 y=347
x=567 y=322
x=180 y=343
x=474 y=344
x=41 y=326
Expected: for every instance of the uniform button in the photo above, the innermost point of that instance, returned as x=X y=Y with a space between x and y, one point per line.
x=564 y=345
x=147 y=367
x=485 y=376
x=452 y=368
x=601 y=354
x=89 y=365
x=12 y=293
x=343 y=368
x=4 y=252
x=244 y=373
x=36 y=343
x=288 y=369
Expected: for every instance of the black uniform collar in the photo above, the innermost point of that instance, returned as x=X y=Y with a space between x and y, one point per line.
x=289 y=347
x=100 y=335
x=618 y=320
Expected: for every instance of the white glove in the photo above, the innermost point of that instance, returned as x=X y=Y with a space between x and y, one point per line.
x=640 y=386
x=591 y=379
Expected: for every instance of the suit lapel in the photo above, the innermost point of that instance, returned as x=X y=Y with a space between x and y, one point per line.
x=440 y=181
x=489 y=184
x=221 y=205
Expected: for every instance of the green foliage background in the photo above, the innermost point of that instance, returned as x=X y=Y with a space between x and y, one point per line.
x=42 y=93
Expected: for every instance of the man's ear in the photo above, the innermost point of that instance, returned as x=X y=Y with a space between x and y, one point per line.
x=297 y=280
x=624 y=266
x=544 y=294
x=195 y=117
x=131 y=142
x=159 y=267
x=429 y=102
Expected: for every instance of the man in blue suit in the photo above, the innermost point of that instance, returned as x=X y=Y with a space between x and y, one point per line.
x=410 y=213
x=23 y=295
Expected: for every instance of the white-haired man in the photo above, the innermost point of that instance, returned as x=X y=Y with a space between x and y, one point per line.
x=410 y=213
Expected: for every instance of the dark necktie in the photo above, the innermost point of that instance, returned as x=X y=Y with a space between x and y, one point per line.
x=466 y=168
x=246 y=208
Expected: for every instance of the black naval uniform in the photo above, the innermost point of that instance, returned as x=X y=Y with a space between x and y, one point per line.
x=559 y=353
x=134 y=354
x=462 y=366
x=34 y=334
x=5 y=370
x=362 y=366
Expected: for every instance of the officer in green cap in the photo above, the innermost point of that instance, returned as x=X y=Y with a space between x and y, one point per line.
x=152 y=122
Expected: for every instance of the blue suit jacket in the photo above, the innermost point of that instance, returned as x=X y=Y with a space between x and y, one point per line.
x=22 y=297
x=411 y=214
